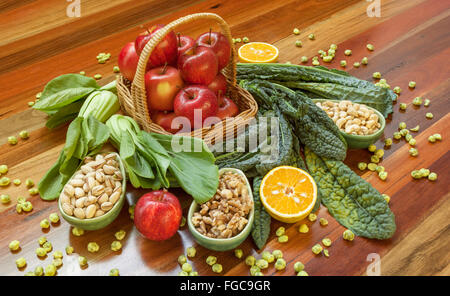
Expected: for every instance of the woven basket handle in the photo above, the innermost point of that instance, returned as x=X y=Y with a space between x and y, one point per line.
x=139 y=79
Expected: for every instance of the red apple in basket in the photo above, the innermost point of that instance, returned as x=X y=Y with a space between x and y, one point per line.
x=227 y=108
x=219 y=85
x=162 y=84
x=198 y=65
x=165 y=52
x=157 y=215
x=164 y=119
x=128 y=60
x=219 y=44
x=184 y=43
x=196 y=97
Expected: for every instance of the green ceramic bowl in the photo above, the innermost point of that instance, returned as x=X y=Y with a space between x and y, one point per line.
x=222 y=244
x=361 y=142
x=106 y=219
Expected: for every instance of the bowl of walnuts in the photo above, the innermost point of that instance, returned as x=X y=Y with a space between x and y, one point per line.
x=225 y=221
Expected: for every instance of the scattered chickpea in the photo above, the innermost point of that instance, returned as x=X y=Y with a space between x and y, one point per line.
x=283 y=239
x=14 y=245
x=412 y=84
x=426 y=103
x=39 y=271
x=298 y=43
x=50 y=270
x=388 y=142
x=397 y=90
x=116 y=246
x=53 y=217
x=298 y=266
x=82 y=261
x=323 y=221
x=348 y=52
x=280 y=231
x=403 y=106
x=326 y=242
x=77 y=231
x=114 y=272
x=182 y=259
x=364 y=61
x=12 y=140
x=356 y=64
x=211 y=260
x=69 y=250
x=311 y=36
x=93 y=247
x=413 y=152
x=217 y=268
x=348 y=235
x=296 y=31
x=370 y=47
x=417 y=101
x=386 y=197
x=429 y=115
x=266 y=255
x=186 y=267
x=250 y=260
x=24 y=135
x=376 y=75
x=304 y=59
x=303 y=228
x=312 y=217
x=343 y=63
x=238 y=253
x=21 y=262
x=302 y=273
x=317 y=249
x=44 y=224
x=120 y=235
x=277 y=254
x=280 y=264
x=5 y=198
x=432 y=177
x=191 y=251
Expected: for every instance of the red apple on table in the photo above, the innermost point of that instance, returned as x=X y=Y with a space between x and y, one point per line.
x=219 y=44
x=218 y=85
x=227 y=108
x=157 y=215
x=162 y=84
x=184 y=43
x=165 y=52
x=196 y=97
x=164 y=119
x=128 y=60
x=198 y=65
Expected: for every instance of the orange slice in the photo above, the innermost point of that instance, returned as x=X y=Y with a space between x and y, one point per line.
x=288 y=193
x=258 y=52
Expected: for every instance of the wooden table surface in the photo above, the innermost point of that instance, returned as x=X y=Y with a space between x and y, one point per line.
x=39 y=42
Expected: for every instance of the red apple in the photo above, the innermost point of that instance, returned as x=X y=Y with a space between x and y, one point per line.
x=198 y=65
x=165 y=52
x=184 y=43
x=196 y=97
x=227 y=108
x=162 y=84
x=219 y=44
x=128 y=60
x=164 y=119
x=157 y=215
x=218 y=85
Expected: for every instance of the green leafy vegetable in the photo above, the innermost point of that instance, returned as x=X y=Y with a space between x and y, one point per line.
x=261 y=224
x=64 y=90
x=155 y=161
x=352 y=201
x=85 y=136
x=311 y=124
x=327 y=83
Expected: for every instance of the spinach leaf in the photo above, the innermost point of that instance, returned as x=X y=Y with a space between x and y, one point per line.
x=192 y=169
x=64 y=90
x=50 y=185
x=64 y=114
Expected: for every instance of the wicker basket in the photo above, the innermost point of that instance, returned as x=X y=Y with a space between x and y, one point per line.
x=133 y=98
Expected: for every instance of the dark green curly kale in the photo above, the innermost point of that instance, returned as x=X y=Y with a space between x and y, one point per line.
x=261 y=224
x=352 y=201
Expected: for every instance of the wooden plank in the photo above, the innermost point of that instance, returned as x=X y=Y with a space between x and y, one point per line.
x=416 y=255
x=33 y=54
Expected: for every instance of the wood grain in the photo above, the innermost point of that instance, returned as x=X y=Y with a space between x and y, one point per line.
x=411 y=43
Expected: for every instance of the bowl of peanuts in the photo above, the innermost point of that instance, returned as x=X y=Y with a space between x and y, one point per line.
x=95 y=194
x=226 y=220
x=359 y=124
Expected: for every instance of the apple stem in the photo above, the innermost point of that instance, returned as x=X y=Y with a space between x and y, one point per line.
x=210 y=35
x=186 y=92
x=179 y=39
x=164 y=69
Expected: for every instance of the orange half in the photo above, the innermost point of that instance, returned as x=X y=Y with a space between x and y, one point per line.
x=258 y=52
x=288 y=193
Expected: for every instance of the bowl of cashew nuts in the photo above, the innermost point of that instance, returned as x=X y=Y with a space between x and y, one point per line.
x=359 y=124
